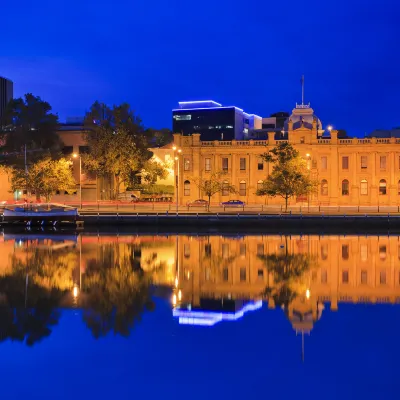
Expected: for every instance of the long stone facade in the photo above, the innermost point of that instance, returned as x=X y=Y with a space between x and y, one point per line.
x=350 y=171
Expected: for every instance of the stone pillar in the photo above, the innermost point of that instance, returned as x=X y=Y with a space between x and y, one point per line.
x=271 y=139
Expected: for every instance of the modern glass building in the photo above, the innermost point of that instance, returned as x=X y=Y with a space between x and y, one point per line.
x=213 y=120
x=6 y=94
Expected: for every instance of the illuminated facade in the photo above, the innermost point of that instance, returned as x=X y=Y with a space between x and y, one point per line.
x=350 y=171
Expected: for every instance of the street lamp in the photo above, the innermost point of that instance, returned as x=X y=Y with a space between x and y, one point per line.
x=330 y=128
x=75 y=155
x=177 y=152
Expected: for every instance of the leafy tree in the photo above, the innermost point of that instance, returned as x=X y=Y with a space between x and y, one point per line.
x=214 y=183
x=28 y=123
x=118 y=144
x=44 y=178
x=160 y=137
x=289 y=176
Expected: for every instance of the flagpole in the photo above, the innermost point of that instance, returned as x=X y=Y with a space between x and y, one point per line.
x=302 y=89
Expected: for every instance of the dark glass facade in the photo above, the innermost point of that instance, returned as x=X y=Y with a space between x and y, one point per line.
x=212 y=124
x=6 y=94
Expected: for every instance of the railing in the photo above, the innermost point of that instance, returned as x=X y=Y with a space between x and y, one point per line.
x=345 y=141
x=324 y=141
x=207 y=143
x=363 y=141
x=260 y=142
x=224 y=143
x=383 y=141
x=236 y=143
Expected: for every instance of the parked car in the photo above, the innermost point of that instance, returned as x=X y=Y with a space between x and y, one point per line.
x=198 y=203
x=127 y=196
x=233 y=203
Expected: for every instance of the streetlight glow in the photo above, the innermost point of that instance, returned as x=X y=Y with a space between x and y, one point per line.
x=308 y=155
x=74 y=155
x=174 y=300
x=330 y=128
x=180 y=295
x=173 y=148
x=179 y=151
x=308 y=294
x=75 y=292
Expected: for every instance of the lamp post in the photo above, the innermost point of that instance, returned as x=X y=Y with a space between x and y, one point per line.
x=309 y=175
x=75 y=155
x=177 y=152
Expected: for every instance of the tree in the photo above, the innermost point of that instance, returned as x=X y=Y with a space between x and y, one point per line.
x=28 y=125
x=44 y=178
x=214 y=183
x=118 y=144
x=290 y=176
x=159 y=137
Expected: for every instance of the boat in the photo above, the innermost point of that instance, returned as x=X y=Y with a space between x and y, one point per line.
x=41 y=213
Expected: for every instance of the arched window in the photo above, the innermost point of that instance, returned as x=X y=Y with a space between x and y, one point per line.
x=364 y=187
x=186 y=188
x=345 y=187
x=260 y=185
x=242 y=188
x=225 y=191
x=324 y=187
x=382 y=187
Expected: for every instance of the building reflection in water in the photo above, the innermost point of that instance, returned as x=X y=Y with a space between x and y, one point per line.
x=208 y=279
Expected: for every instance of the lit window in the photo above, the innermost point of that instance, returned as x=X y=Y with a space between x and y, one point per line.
x=364 y=187
x=364 y=162
x=260 y=249
x=382 y=187
x=345 y=251
x=243 y=164
x=242 y=249
x=242 y=188
x=382 y=252
x=345 y=187
x=186 y=250
x=245 y=130
x=229 y=127
x=382 y=162
x=242 y=274
x=208 y=164
x=225 y=164
x=186 y=188
x=186 y=117
x=382 y=278
x=364 y=277
x=345 y=276
x=186 y=164
x=345 y=162
x=324 y=162
x=302 y=140
x=324 y=251
x=324 y=187
x=225 y=190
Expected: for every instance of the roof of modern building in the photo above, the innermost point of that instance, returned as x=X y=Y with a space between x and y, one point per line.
x=385 y=133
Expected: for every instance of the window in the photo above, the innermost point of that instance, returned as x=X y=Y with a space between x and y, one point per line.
x=364 y=277
x=242 y=274
x=207 y=250
x=302 y=140
x=186 y=250
x=260 y=165
x=345 y=187
x=382 y=162
x=382 y=187
x=324 y=187
x=186 y=164
x=345 y=251
x=398 y=187
x=324 y=276
x=324 y=251
x=225 y=274
x=243 y=164
x=184 y=117
x=242 y=249
x=324 y=162
x=225 y=190
x=260 y=274
x=242 y=188
x=382 y=252
x=364 y=187
x=260 y=185
x=84 y=149
x=345 y=162
x=246 y=121
x=382 y=277
x=364 y=162
x=345 y=276
x=364 y=252
x=225 y=250
x=186 y=188
x=208 y=164
x=225 y=164
x=67 y=150
x=260 y=249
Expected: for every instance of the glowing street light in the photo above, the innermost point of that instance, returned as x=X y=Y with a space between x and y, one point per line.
x=75 y=292
x=75 y=155
x=308 y=294
x=330 y=128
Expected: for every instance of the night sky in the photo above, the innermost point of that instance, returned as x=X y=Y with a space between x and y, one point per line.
x=250 y=53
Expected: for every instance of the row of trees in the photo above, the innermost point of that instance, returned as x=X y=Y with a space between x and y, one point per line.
x=289 y=178
x=117 y=144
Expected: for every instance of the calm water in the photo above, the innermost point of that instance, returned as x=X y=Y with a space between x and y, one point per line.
x=95 y=316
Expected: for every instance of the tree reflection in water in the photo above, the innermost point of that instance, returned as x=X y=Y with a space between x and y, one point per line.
x=117 y=290
x=31 y=293
x=288 y=271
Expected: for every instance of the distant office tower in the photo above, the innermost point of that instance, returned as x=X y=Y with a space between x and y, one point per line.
x=6 y=94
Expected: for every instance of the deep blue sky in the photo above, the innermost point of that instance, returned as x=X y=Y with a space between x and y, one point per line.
x=250 y=53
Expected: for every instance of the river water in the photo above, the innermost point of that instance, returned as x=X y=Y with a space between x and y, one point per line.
x=96 y=315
